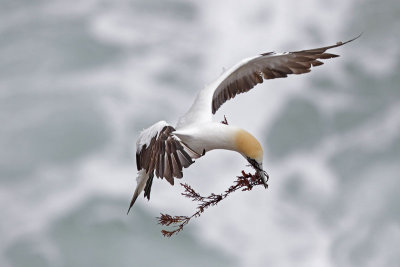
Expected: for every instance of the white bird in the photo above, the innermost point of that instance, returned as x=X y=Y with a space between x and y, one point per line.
x=164 y=151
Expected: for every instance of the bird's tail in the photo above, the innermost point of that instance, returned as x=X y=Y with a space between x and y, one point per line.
x=141 y=183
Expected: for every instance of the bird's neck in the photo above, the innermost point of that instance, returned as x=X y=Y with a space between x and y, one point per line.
x=210 y=136
x=234 y=138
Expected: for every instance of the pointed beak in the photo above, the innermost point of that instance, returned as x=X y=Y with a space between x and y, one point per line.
x=259 y=171
x=264 y=177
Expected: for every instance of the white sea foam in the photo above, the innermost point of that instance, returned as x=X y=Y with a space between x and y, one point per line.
x=312 y=214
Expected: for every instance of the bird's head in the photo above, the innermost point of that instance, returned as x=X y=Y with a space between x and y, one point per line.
x=247 y=145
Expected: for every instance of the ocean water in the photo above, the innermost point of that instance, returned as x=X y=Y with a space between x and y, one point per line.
x=79 y=81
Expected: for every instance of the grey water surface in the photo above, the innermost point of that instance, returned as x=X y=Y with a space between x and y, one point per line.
x=79 y=80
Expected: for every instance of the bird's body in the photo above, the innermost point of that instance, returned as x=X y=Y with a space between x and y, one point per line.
x=164 y=151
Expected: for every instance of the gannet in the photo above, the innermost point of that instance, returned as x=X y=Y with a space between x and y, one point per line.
x=164 y=150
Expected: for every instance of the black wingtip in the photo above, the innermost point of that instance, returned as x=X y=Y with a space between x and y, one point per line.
x=358 y=36
x=130 y=206
x=351 y=40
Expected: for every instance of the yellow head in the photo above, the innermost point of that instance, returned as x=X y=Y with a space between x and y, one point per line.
x=248 y=146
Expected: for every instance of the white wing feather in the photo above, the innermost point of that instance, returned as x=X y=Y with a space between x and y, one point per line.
x=200 y=111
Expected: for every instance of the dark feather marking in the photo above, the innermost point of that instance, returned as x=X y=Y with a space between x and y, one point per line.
x=178 y=162
x=268 y=74
x=138 y=164
x=177 y=170
x=328 y=55
x=147 y=188
x=283 y=69
x=169 y=176
x=278 y=73
x=306 y=65
x=258 y=77
x=316 y=63
x=167 y=170
x=162 y=164
x=164 y=157
x=184 y=161
x=296 y=65
x=302 y=58
x=268 y=53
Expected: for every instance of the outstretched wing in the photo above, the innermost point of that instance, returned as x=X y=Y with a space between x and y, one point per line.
x=161 y=153
x=268 y=66
x=251 y=71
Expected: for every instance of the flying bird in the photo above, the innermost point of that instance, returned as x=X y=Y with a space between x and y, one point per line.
x=163 y=150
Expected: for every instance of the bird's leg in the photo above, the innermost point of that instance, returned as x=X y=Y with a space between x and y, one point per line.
x=224 y=121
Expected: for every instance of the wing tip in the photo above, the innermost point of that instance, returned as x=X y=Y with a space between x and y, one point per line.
x=340 y=43
x=135 y=196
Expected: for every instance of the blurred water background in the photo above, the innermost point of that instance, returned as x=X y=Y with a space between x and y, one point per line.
x=79 y=80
